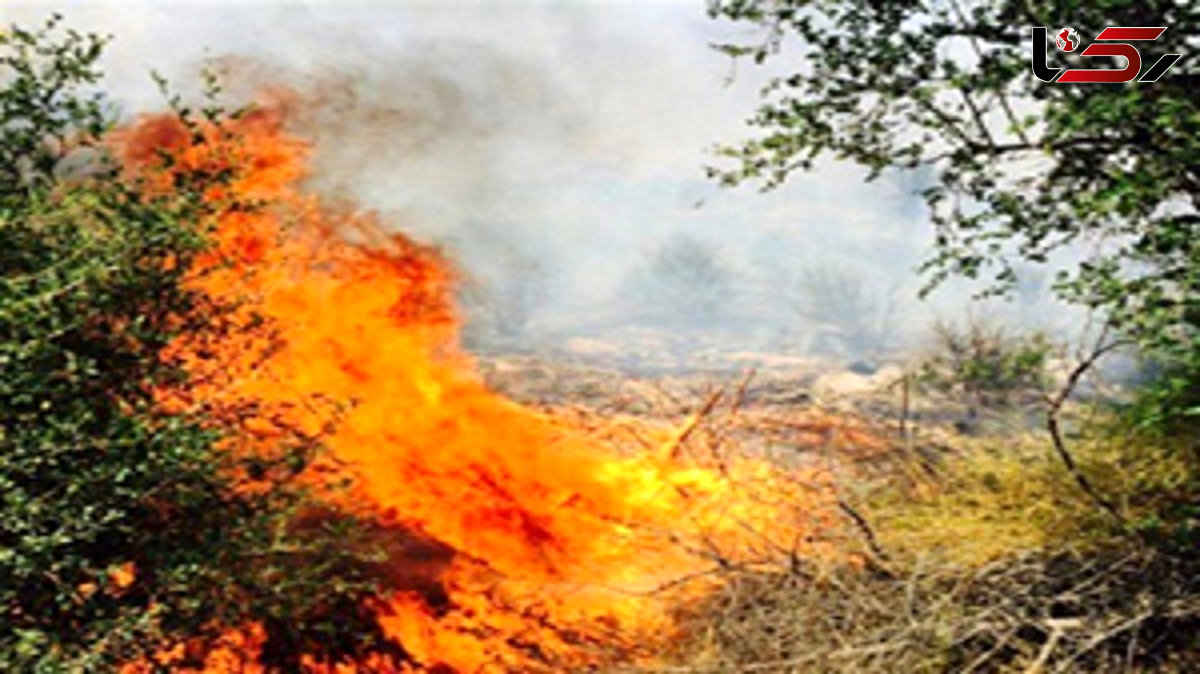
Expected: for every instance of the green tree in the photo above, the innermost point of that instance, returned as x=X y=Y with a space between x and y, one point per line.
x=1021 y=168
x=124 y=531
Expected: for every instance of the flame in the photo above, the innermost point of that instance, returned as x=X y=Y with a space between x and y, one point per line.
x=559 y=542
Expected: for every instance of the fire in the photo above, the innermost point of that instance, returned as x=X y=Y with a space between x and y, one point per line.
x=558 y=544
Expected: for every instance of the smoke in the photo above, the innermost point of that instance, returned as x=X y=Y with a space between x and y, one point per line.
x=500 y=507
x=552 y=148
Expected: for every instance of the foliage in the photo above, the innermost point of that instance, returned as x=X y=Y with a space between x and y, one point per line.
x=1169 y=404
x=985 y=363
x=124 y=529
x=1022 y=169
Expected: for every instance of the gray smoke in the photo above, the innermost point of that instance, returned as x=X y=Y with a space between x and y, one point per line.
x=555 y=149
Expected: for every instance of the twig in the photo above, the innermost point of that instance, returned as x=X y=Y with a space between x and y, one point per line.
x=739 y=396
x=881 y=556
x=873 y=649
x=1095 y=641
x=1055 y=405
x=1047 y=649
x=670 y=449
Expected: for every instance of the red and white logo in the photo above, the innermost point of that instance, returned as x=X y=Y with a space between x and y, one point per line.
x=1067 y=39
x=1113 y=41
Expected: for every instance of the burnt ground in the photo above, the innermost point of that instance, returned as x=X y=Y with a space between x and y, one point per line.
x=786 y=408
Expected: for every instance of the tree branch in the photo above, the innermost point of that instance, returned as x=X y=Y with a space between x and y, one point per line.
x=1055 y=405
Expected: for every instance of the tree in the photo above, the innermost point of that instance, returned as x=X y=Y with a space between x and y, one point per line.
x=125 y=530
x=840 y=298
x=1022 y=169
x=684 y=280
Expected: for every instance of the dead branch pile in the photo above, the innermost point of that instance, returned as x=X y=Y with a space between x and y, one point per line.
x=1138 y=611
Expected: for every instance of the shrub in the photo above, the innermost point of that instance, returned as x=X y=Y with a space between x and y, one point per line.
x=986 y=364
x=842 y=302
x=124 y=530
x=685 y=281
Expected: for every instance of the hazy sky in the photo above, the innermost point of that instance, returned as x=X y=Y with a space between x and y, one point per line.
x=569 y=133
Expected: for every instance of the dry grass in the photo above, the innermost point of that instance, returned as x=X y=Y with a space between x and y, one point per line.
x=991 y=561
x=981 y=553
x=1029 y=613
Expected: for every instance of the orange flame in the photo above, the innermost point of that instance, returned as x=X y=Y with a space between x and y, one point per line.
x=559 y=542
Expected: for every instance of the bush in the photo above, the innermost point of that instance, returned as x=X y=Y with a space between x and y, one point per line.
x=842 y=303
x=685 y=281
x=124 y=530
x=1169 y=402
x=986 y=364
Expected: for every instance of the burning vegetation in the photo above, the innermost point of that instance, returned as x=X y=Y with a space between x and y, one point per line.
x=239 y=433
x=535 y=544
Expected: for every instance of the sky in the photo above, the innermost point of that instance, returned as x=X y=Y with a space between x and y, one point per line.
x=565 y=137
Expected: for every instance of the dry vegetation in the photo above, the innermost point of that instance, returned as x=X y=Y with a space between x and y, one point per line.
x=963 y=549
